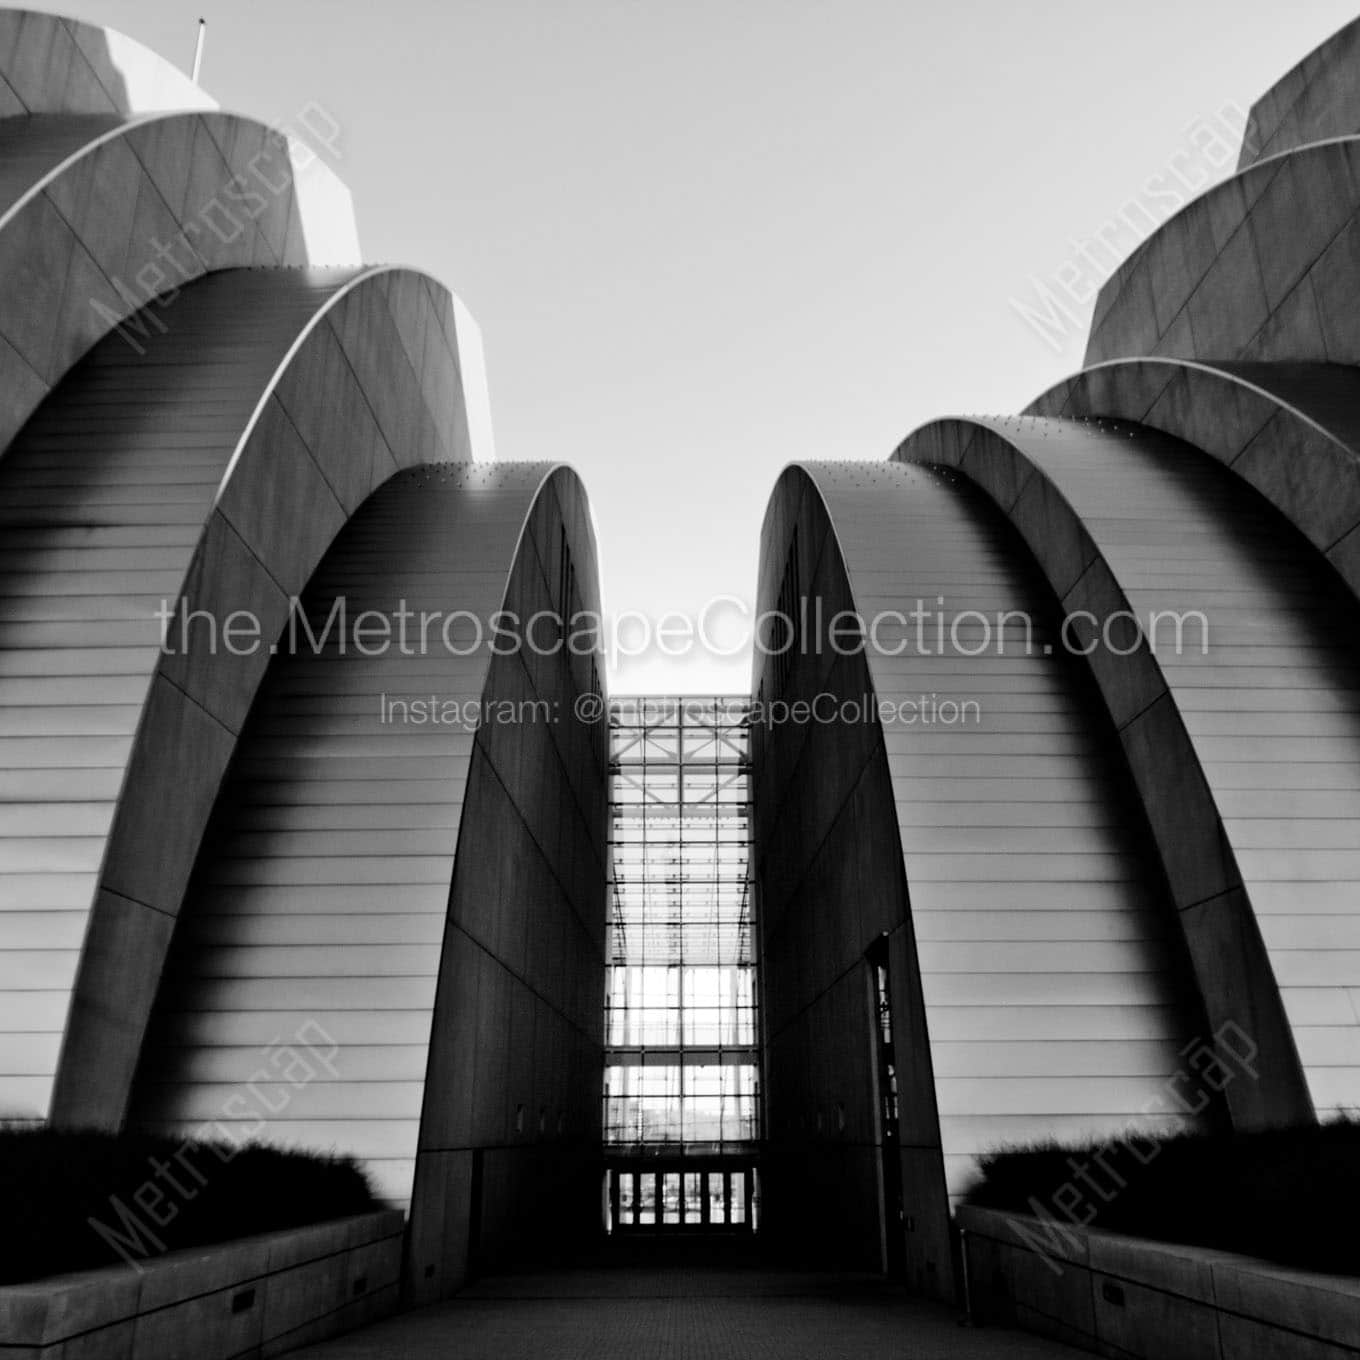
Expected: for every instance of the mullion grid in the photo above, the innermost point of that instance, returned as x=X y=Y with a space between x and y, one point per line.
x=681 y=999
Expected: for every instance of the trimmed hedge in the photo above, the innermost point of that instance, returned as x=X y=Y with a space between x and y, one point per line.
x=1289 y=1195
x=81 y=1200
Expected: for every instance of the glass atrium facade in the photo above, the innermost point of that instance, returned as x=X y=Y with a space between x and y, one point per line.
x=682 y=1088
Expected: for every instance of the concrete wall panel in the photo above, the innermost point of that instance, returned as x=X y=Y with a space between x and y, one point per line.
x=1313 y=101
x=1271 y=279
x=51 y=64
x=516 y=1052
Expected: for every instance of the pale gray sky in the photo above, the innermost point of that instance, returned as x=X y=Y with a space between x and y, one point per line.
x=705 y=239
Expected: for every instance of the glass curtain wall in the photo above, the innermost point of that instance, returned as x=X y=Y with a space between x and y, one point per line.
x=681 y=1067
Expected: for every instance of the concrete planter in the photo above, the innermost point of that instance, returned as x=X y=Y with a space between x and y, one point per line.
x=1127 y=1297
x=254 y=1297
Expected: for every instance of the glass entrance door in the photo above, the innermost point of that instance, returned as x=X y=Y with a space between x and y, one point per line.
x=682 y=1199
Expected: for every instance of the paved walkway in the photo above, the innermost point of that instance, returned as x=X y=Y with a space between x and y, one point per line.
x=682 y=1314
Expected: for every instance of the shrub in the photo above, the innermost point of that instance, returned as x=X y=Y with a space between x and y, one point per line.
x=1288 y=1195
x=79 y=1200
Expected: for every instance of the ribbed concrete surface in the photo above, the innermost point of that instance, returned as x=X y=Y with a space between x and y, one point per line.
x=323 y=908
x=1041 y=927
x=1290 y=430
x=102 y=501
x=1271 y=707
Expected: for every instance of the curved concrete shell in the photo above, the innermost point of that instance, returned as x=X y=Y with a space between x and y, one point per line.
x=266 y=391
x=104 y=218
x=1079 y=825
x=1264 y=266
x=52 y=64
x=1032 y=944
x=317 y=915
x=1250 y=738
x=1172 y=820
x=407 y=908
x=1313 y=101
x=1291 y=430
